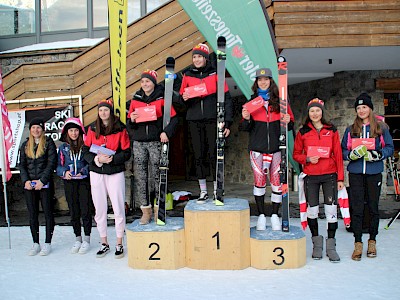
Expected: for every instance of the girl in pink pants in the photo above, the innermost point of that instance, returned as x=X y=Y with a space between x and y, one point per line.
x=106 y=150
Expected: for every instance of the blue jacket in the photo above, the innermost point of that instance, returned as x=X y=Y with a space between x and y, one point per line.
x=383 y=144
x=67 y=161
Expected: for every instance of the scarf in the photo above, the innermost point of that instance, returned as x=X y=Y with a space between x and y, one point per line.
x=263 y=93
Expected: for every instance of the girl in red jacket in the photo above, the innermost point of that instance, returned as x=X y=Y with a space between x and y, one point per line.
x=317 y=147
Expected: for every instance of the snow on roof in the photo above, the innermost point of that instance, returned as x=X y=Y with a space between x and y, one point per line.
x=56 y=45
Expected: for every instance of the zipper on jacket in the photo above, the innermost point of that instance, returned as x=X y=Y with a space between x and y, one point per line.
x=268 y=119
x=201 y=100
x=364 y=135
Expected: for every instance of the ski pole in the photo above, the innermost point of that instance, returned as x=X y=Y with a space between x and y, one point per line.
x=392 y=220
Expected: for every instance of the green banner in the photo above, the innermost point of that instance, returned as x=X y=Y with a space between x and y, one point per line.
x=248 y=41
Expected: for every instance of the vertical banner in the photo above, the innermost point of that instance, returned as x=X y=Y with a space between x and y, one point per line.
x=6 y=137
x=117 y=24
x=248 y=40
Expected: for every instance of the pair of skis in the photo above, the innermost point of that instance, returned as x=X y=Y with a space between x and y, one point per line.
x=283 y=102
x=221 y=59
x=283 y=173
x=164 y=160
x=395 y=176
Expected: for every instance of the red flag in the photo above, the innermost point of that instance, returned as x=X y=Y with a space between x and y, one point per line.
x=7 y=138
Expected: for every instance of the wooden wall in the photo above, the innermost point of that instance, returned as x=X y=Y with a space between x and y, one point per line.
x=167 y=31
x=310 y=24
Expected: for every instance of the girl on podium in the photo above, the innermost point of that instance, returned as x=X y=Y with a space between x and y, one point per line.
x=199 y=94
x=147 y=134
x=365 y=169
x=73 y=169
x=317 y=148
x=263 y=125
x=106 y=150
x=38 y=160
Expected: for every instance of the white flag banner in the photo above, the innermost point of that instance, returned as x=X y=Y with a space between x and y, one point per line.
x=17 y=120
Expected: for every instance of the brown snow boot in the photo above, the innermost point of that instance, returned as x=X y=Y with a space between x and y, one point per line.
x=146 y=217
x=358 y=247
x=371 y=251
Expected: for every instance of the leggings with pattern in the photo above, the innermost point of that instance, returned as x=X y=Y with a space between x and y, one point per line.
x=261 y=168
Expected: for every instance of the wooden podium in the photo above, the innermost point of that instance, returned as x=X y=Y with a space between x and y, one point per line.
x=277 y=249
x=217 y=237
x=156 y=247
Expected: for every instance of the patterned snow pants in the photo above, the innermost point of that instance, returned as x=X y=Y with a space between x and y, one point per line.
x=146 y=159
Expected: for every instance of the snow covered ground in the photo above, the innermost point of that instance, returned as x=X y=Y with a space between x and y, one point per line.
x=62 y=275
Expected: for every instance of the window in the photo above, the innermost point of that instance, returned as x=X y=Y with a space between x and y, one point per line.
x=26 y=22
x=60 y=15
x=153 y=4
x=100 y=12
x=17 y=17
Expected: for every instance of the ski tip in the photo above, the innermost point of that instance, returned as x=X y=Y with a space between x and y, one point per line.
x=160 y=223
x=170 y=59
x=221 y=41
x=281 y=59
x=219 y=203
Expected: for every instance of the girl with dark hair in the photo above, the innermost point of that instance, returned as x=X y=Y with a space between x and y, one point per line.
x=365 y=169
x=106 y=150
x=263 y=126
x=73 y=169
x=147 y=137
x=317 y=148
x=38 y=159
x=201 y=115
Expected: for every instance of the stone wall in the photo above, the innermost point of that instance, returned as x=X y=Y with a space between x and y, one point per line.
x=10 y=61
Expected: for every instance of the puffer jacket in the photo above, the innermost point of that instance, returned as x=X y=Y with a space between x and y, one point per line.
x=264 y=128
x=41 y=168
x=205 y=107
x=383 y=144
x=151 y=130
x=67 y=161
x=117 y=141
x=328 y=136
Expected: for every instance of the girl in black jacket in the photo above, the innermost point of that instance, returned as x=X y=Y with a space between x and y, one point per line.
x=202 y=114
x=38 y=159
x=147 y=136
x=263 y=126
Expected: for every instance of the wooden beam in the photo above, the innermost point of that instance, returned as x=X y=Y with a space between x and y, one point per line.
x=341 y=28
x=330 y=41
x=387 y=84
x=323 y=6
x=334 y=17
